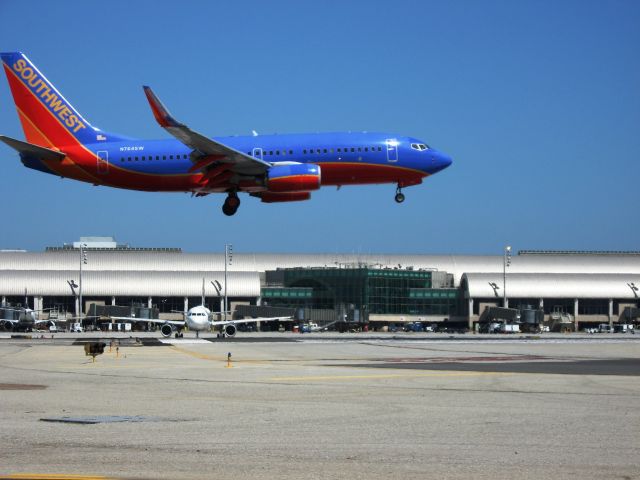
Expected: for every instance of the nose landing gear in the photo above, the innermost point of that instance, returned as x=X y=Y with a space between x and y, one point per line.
x=231 y=204
x=399 y=198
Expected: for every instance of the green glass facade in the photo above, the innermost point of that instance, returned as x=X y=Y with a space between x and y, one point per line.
x=369 y=291
x=287 y=297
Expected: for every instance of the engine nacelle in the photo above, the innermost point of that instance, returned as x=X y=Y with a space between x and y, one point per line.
x=7 y=326
x=229 y=330
x=166 y=330
x=271 y=197
x=297 y=177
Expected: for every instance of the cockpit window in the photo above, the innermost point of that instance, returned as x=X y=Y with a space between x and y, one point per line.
x=419 y=146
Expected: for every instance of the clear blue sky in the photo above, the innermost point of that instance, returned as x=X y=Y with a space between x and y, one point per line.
x=537 y=102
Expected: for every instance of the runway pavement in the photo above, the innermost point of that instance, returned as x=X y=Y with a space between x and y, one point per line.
x=322 y=406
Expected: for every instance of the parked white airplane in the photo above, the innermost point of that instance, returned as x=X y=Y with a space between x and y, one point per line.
x=26 y=320
x=198 y=319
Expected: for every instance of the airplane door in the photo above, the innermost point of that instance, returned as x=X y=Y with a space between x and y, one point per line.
x=102 y=157
x=257 y=153
x=392 y=150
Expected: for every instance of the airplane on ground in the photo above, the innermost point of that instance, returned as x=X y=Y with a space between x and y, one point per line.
x=198 y=319
x=273 y=168
x=23 y=318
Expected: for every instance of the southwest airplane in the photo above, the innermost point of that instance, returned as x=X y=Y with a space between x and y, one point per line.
x=274 y=168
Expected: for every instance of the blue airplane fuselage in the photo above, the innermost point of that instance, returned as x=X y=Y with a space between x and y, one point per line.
x=275 y=168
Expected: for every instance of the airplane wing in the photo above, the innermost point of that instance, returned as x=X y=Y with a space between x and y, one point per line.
x=150 y=320
x=210 y=151
x=248 y=320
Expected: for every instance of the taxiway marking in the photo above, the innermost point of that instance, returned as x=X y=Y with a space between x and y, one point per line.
x=50 y=476
x=392 y=375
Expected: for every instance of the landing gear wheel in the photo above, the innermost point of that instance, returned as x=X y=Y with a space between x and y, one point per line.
x=399 y=197
x=228 y=211
x=231 y=204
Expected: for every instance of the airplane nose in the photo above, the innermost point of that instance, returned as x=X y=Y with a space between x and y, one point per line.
x=441 y=161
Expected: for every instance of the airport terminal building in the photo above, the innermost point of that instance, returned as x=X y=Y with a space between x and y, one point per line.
x=373 y=289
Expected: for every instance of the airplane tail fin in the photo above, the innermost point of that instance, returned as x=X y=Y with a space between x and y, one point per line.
x=47 y=118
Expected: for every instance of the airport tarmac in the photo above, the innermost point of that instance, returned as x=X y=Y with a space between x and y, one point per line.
x=322 y=406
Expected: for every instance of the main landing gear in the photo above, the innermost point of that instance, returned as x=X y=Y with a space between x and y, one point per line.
x=399 y=195
x=231 y=204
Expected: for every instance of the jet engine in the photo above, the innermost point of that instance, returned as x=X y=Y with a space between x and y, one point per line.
x=166 y=330
x=229 y=330
x=296 y=177
x=7 y=326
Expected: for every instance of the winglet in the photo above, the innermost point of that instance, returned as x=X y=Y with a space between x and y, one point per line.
x=161 y=114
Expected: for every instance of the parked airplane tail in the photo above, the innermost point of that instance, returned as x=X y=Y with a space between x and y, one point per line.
x=47 y=118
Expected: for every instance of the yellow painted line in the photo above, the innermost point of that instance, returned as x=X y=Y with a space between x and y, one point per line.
x=201 y=356
x=218 y=358
x=391 y=375
x=51 y=476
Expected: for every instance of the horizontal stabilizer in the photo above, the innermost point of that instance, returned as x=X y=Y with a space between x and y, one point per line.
x=31 y=150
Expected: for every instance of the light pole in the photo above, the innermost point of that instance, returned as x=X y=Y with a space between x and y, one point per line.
x=506 y=261
x=83 y=261
x=228 y=258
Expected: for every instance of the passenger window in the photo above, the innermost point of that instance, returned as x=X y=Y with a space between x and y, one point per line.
x=157 y=157
x=270 y=152
x=128 y=159
x=379 y=149
x=170 y=157
x=359 y=149
x=353 y=149
x=136 y=158
x=290 y=152
x=331 y=150
x=339 y=150
x=277 y=152
x=304 y=151
x=164 y=157
x=366 y=149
